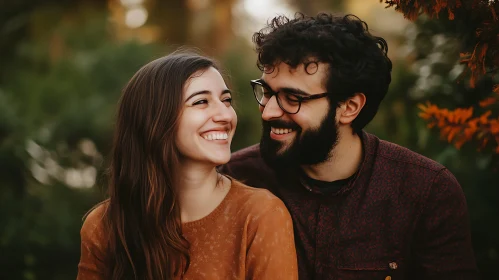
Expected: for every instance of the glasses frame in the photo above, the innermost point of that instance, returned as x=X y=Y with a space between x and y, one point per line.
x=299 y=99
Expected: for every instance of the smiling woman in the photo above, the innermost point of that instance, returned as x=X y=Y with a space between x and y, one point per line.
x=208 y=120
x=170 y=214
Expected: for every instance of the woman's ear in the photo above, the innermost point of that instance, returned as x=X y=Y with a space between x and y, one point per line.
x=351 y=108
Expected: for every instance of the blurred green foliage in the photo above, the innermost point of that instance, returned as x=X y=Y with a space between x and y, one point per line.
x=61 y=76
x=49 y=105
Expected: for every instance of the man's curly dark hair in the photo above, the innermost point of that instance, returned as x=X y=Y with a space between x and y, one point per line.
x=357 y=60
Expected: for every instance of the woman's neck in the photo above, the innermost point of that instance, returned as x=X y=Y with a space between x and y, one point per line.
x=200 y=191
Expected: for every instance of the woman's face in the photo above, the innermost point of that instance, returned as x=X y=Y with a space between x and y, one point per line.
x=208 y=121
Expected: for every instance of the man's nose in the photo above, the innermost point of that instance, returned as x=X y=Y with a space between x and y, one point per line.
x=271 y=109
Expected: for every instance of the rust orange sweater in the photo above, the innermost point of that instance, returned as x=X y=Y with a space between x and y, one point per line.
x=248 y=236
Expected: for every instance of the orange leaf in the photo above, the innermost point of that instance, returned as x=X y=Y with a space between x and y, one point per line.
x=463 y=55
x=451 y=118
x=484 y=118
x=494 y=127
x=451 y=14
x=459 y=144
x=484 y=143
x=472 y=81
x=422 y=107
x=468 y=132
x=496 y=89
x=487 y=102
x=446 y=130
x=452 y=133
x=483 y=52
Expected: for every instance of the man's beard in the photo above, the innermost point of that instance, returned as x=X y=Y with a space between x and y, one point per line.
x=308 y=147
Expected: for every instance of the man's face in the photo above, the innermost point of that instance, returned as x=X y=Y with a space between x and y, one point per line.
x=304 y=138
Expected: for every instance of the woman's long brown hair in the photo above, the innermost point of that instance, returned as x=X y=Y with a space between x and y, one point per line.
x=143 y=216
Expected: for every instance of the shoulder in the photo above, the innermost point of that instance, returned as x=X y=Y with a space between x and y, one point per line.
x=262 y=214
x=445 y=187
x=93 y=225
x=403 y=156
x=415 y=169
x=255 y=202
x=418 y=165
x=94 y=244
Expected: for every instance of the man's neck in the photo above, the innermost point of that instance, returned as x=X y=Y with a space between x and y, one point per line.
x=344 y=160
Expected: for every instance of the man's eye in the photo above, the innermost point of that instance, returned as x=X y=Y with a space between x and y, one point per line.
x=292 y=98
x=199 y=102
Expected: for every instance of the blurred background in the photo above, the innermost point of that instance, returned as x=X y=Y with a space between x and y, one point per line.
x=63 y=64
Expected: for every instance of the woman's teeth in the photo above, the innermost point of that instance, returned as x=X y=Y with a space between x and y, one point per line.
x=216 y=136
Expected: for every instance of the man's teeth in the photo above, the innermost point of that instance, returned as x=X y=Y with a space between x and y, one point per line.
x=281 y=130
x=216 y=136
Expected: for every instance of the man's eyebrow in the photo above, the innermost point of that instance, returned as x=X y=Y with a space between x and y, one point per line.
x=286 y=89
x=225 y=91
x=296 y=91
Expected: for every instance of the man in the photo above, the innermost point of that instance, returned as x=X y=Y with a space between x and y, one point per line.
x=362 y=208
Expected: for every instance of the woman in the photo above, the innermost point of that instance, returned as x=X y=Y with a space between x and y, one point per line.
x=170 y=215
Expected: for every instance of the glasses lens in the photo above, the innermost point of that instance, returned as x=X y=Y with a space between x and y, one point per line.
x=289 y=102
x=260 y=94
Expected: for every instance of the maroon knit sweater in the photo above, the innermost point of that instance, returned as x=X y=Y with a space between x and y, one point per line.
x=403 y=215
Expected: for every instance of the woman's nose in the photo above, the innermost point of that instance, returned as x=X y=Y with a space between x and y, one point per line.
x=222 y=113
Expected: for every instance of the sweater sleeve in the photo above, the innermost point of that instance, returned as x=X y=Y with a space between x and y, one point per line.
x=271 y=250
x=443 y=240
x=92 y=264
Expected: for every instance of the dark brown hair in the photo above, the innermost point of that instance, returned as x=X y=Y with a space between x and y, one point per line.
x=358 y=61
x=143 y=217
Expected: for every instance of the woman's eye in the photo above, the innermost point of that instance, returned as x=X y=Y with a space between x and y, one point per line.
x=199 y=102
x=227 y=101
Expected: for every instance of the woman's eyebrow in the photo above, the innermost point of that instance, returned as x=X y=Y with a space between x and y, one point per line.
x=198 y=93
x=225 y=91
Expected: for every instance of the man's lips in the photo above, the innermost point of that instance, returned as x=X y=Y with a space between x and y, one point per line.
x=277 y=124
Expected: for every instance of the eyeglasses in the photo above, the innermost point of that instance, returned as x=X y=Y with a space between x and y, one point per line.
x=288 y=102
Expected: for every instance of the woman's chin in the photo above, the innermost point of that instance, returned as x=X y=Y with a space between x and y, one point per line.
x=220 y=159
x=206 y=161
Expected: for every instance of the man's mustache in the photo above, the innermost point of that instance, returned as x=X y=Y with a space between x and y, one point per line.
x=280 y=124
